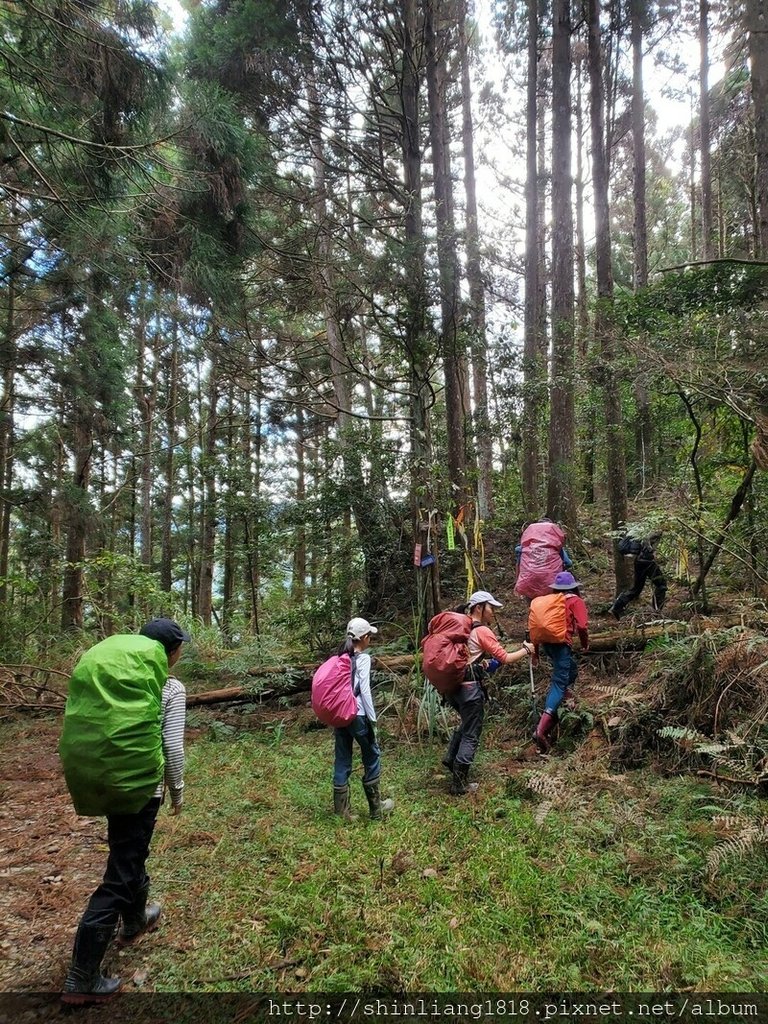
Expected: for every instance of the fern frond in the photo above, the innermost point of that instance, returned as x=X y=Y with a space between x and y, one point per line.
x=730 y=822
x=682 y=733
x=544 y=785
x=712 y=748
x=628 y=814
x=736 y=846
x=735 y=768
x=542 y=811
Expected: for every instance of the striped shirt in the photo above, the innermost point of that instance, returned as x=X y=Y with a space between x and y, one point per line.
x=174 y=715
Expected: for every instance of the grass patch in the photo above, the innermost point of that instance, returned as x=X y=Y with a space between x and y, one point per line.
x=265 y=890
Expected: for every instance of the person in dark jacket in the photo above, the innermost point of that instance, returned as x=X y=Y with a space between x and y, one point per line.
x=121 y=898
x=646 y=569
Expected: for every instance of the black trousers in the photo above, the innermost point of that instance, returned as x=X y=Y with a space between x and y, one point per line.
x=128 y=836
x=469 y=701
x=645 y=571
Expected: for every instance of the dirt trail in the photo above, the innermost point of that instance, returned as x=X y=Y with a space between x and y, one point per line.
x=49 y=858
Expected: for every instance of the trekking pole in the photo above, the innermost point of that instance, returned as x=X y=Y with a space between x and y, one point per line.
x=499 y=630
x=530 y=673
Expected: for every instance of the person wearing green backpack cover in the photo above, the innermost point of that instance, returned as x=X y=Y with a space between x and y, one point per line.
x=122 y=744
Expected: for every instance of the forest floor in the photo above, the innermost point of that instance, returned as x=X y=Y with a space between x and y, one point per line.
x=565 y=873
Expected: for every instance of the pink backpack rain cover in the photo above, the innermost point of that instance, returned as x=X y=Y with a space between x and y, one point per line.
x=333 y=696
x=540 y=560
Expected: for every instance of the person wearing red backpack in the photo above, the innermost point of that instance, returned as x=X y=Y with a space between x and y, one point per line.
x=361 y=730
x=552 y=625
x=470 y=697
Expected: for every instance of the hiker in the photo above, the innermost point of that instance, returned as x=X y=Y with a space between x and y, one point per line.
x=646 y=568
x=122 y=744
x=539 y=555
x=362 y=729
x=552 y=624
x=470 y=697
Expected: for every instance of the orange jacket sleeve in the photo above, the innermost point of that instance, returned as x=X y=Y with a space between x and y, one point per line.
x=489 y=643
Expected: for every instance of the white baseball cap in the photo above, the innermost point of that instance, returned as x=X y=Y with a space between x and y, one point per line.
x=483 y=597
x=358 y=628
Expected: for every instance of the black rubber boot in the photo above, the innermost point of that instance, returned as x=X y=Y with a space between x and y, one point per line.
x=140 y=919
x=84 y=984
x=460 y=783
x=377 y=806
x=341 y=802
x=452 y=751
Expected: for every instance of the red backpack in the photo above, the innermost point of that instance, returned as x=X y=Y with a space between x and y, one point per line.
x=547 y=619
x=444 y=651
x=334 y=694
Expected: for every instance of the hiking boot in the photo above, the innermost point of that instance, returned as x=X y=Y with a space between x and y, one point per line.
x=615 y=610
x=84 y=984
x=378 y=807
x=140 y=919
x=541 y=735
x=460 y=783
x=341 y=802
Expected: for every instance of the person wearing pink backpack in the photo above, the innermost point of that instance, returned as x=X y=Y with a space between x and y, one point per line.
x=361 y=729
x=539 y=556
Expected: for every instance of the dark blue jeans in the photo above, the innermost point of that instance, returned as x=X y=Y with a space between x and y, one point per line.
x=564 y=673
x=128 y=836
x=469 y=701
x=361 y=731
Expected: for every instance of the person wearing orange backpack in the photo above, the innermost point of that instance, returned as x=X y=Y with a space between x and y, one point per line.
x=362 y=729
x=470 y=696
x=553 y=619
x=539 y=555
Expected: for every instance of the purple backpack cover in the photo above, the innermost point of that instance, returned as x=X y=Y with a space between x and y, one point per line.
x=334 y=698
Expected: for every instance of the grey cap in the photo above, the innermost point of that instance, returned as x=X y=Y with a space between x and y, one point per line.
x=358 y=628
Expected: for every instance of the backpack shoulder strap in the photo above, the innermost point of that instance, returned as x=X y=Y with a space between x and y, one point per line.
x=353 y=679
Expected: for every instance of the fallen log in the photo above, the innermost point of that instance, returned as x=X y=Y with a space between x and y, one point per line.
x=298 y=678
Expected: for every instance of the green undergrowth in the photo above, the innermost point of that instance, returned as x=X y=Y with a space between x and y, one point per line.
x=588 y=881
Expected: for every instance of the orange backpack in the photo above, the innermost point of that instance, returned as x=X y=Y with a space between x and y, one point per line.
x=547 y=619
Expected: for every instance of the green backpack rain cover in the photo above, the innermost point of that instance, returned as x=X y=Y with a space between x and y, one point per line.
x=111 y=746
